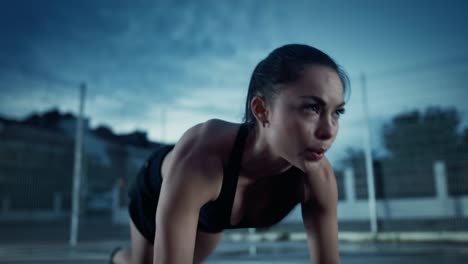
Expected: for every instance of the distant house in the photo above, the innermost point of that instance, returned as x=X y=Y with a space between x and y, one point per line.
x=37 y=155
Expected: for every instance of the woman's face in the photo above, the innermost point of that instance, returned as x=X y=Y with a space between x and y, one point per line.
x=304 y=116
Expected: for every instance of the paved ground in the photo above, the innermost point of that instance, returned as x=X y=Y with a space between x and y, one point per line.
x=22 y=232
x=232 y=252
x=28 y=243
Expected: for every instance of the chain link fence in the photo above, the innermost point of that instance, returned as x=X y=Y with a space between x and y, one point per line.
x=419 y=131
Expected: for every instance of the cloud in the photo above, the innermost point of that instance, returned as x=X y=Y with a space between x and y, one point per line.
x=194 y=58
x=117 y=46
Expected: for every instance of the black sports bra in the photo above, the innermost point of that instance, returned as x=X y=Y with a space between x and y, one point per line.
x=215 y=216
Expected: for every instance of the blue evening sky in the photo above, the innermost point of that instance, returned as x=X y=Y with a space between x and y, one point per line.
x=189 y=61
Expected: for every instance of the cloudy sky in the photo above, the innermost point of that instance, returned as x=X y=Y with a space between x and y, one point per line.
x=178 y=63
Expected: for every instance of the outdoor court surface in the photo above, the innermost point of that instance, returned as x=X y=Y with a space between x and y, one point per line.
x=231 y=252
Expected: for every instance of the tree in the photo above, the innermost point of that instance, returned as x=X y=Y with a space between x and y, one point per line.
x=415 y=140
x=105 y=132
x=431 y=135
x=464 y=142
x=49 y=119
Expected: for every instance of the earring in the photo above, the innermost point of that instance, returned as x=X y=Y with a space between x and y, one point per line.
x=264 y=123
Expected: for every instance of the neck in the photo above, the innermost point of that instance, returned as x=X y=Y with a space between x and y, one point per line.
x=259 y=159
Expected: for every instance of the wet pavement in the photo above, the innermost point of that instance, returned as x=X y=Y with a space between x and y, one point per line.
x=241 y=252
x=48 y=243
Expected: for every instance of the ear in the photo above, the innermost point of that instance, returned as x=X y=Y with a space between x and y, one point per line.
x=259 y=108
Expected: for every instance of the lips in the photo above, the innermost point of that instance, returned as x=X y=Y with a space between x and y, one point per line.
x=314 y=153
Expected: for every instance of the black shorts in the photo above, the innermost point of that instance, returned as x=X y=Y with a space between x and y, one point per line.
x=144 y=193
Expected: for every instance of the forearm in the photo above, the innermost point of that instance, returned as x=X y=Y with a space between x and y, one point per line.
x=319 y=213
x=175 y=240
x=323 y=240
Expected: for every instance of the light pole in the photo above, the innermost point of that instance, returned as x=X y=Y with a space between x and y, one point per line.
x=368 y=157
x=75 y=211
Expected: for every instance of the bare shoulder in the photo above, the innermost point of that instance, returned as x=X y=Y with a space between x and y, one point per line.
x=212 y=137
x=200 y=154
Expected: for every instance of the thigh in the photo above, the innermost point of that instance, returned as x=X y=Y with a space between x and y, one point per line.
x=142 y=250
x=205 y=244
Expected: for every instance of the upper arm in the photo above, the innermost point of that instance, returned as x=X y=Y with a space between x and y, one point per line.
x=184 y=190
x=319 y=214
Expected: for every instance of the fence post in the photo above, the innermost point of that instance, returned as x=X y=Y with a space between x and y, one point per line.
x=115 y=202
x=440 y=174
x=252 y=246
x=350 y=191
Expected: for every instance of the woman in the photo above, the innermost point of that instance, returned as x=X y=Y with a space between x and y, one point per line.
x=222 y=175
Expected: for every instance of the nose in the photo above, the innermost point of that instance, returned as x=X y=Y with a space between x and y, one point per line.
x=324 y=129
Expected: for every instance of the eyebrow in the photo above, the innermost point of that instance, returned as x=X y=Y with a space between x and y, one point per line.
x=320 y=100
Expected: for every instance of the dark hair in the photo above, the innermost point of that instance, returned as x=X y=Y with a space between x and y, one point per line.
x=284 y=65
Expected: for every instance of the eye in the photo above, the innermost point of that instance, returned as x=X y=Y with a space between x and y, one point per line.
x=339 y=112
x=313 y=107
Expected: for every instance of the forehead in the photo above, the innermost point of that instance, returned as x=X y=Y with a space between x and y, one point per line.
x=316 y=80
